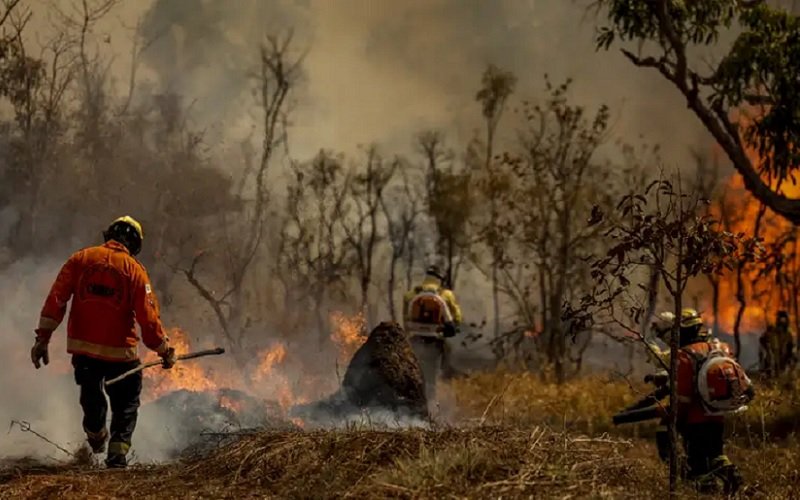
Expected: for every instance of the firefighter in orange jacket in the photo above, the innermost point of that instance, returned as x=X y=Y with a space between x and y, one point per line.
x=109 y=290
x=702 y=434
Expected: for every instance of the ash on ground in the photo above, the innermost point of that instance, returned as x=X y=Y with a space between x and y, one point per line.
x=186 y=422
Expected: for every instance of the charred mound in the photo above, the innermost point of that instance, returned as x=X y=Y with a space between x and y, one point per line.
x=383 y=380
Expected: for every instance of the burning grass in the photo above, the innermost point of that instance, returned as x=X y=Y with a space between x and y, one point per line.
x=272 y=375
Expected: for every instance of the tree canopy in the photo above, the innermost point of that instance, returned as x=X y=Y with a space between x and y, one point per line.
x=749 y=100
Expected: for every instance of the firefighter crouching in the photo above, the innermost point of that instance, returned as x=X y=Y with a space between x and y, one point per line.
x=710 y=384
x=109 y=290
x=430 y=315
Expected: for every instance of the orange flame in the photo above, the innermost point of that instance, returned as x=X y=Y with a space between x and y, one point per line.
x=738 y=210
x=270 y=358
x=269 y=378
x=184 y=375
x=231 y=404
x=275 y=382
x=348 y=334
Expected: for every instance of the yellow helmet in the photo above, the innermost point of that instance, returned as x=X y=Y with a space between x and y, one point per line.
x=690 y=317
x=127 y=231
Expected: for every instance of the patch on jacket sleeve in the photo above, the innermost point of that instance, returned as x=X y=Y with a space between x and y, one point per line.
x=147 y=288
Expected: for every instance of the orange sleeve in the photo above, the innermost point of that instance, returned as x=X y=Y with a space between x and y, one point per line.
x=55 y=306
x=145 y=306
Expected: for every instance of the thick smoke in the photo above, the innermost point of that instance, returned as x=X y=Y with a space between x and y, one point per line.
x=46 y=398
x=375 y=70
x=379 y=71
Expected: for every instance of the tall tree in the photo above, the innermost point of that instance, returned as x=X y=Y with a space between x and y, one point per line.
x=360 y=218
x=497 y=86
x=558 y=179
x=313 y=256
x=278 y=71
x=658 y=228
x=749 y=101
x=449 y=200
x=402 y=207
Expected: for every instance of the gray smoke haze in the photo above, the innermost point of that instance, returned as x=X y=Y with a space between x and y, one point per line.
x=375 y=71
x=379 y=71
x=46 y=399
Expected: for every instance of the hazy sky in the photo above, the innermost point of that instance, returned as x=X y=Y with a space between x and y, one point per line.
x=380 y=70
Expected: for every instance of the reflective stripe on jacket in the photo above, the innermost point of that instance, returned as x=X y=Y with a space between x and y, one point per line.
x=110 y=291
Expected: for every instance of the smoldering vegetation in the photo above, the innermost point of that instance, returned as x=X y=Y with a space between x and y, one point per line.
x=284 y=177
x=383 y=384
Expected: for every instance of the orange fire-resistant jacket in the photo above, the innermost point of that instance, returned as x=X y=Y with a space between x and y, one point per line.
x=109 y=289
x=690 y=407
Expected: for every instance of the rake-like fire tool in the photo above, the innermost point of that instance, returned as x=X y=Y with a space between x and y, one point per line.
x=181 y=357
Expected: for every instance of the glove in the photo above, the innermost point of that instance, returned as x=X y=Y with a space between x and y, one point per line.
x=449 y=329
x=39 y=352
x=168 y=359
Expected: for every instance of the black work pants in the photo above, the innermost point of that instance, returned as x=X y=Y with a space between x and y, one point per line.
x=90 y=375
x=703 y=444
x=706 y=463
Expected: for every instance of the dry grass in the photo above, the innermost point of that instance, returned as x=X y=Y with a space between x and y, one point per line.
x=479 y=463
x=530 y=446
x=774 y=415
x=586 y=405
x=523 y=399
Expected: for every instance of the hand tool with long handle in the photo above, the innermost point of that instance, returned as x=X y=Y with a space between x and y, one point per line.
x=181 y=357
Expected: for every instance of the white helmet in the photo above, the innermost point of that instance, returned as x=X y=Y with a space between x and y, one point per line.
x=663 y=324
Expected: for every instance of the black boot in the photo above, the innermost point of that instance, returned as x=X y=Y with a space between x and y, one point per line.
x=97 y=440
x=729 y=474
x=116 y=461
x=117 y=455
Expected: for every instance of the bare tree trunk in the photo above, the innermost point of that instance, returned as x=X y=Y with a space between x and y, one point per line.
x=674 y=346
x=410 y=261
x=652 y=298
x=559 y=352
x=740 y=293
x=495 y=298
x=365 y=312
x=391 y=285
x=543 y=297
x=740 y=297
x=544 y=334
x=322 y=330
x=715 y=301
